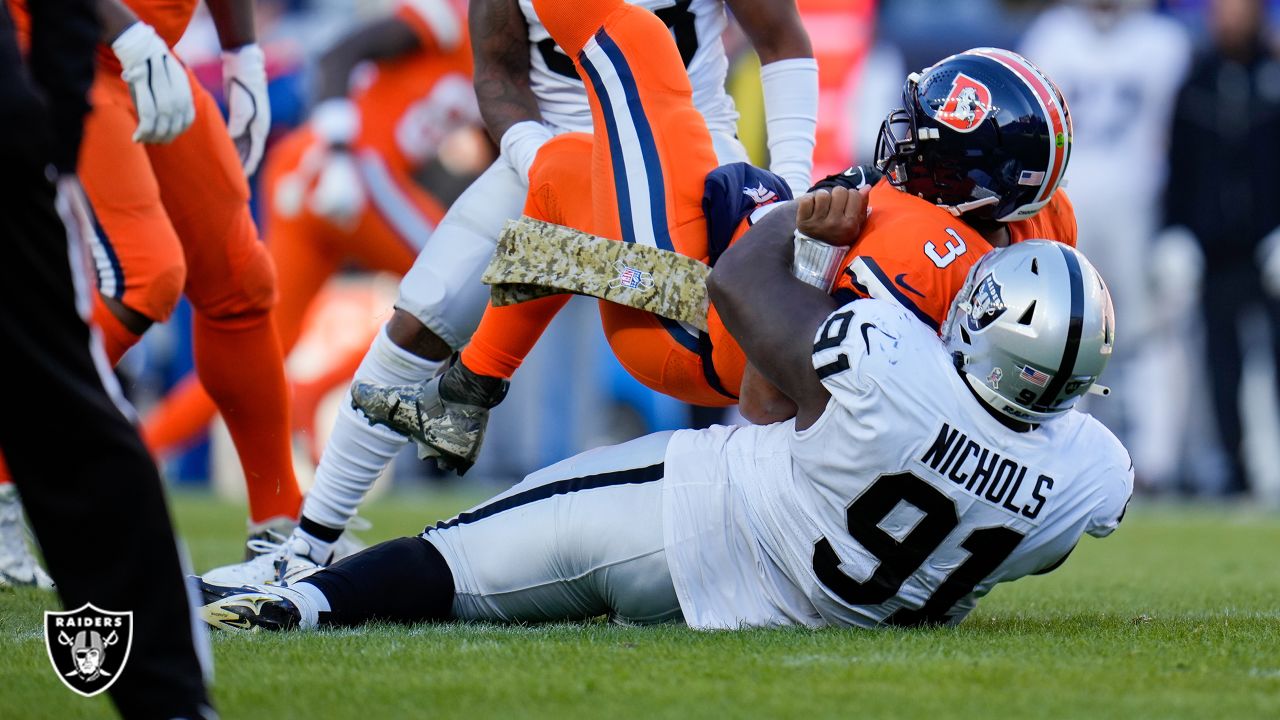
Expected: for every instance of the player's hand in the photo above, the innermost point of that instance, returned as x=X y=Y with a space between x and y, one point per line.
x=833 y=216
x=158 y=83
x=339 y=192
x=244 y=79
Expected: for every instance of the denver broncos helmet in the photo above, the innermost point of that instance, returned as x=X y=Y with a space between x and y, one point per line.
x=984 y=134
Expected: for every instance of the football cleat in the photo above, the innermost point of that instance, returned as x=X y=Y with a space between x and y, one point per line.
x=446 y=416
x=18 y=566
x=277 y=560
x=246 y=608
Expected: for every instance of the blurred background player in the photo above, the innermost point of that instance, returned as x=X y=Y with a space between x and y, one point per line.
x=1101 y=54
x=99 y=511
x=1223 y=191
x=528 y=92
x=341 y=190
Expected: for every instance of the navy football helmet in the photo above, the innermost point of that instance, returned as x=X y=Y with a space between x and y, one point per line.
x=983 y=134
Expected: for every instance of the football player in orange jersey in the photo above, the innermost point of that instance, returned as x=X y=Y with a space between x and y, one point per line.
x=341 y=188
x=167 y=181
x=981 y=148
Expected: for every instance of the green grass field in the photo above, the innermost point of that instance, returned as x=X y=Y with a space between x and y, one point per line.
x=1176 y=616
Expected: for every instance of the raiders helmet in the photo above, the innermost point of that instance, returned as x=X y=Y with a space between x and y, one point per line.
x=983 y=134
x=1032 y=329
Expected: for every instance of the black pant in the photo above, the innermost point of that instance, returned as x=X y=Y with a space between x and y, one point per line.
x=1228 y=294
x=90 y=489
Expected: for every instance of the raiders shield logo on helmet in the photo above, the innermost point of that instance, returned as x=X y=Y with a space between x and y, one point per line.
x=88 y=646
x=966 y=106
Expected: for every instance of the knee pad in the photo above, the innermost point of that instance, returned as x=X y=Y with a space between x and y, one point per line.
x=160 y=294
x=250 y=291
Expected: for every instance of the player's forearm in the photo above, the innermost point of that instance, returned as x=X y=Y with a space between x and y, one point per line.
x=234 y=21
x=500 y=42
x=381 y=39
x=774 y=28
x=771 y=314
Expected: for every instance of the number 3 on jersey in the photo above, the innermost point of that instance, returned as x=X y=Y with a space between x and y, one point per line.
x=955 y=247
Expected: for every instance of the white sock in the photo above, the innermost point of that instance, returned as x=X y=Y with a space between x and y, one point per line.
x=308 y=599
x=358 y=452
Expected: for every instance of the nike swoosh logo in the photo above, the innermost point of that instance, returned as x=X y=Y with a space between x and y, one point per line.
x=900 y=281
x=865 y=327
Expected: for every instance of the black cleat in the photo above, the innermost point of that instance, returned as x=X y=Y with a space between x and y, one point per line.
x=246 y=608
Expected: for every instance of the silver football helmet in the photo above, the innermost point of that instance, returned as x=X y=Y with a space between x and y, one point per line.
x=1032 y=329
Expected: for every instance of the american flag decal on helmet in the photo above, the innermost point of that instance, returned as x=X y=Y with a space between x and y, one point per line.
x=1033 y=376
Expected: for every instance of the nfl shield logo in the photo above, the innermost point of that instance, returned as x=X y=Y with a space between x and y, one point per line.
x=88 y=646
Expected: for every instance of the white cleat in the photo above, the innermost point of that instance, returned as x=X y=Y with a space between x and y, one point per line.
x=279 y=560
x=18 y=567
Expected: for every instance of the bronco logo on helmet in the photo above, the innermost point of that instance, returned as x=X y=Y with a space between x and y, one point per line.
x=966 y=106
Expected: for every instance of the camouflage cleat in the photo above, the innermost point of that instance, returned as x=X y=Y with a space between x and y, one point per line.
x=246 y=608
x=446 y=415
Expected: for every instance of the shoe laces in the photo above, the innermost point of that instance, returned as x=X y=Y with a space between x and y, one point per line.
x=277 y=546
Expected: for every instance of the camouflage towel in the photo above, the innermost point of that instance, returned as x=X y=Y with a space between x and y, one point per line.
x=535 y=259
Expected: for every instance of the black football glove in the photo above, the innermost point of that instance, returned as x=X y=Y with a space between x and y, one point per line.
x=855 y=178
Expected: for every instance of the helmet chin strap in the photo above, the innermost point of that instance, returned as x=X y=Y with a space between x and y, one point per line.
x=965 y=207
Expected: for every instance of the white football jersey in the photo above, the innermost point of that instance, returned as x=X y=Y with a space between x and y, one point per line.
x=904 y=503
x=696 y=25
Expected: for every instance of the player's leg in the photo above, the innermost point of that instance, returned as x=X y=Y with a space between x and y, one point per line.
x=442 y=292
x=652 y=154
x=1225 y=297
x=96 y=504
x=231 y=286
x=447 y=415
x=137 y=255
x=305 y=245
x=579 y=539
x=560 y=193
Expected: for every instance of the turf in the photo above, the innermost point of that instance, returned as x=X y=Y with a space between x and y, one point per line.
x=1176 y=616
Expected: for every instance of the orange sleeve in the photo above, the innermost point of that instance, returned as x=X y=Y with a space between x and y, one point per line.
x=437 y=24
x=1056 y=221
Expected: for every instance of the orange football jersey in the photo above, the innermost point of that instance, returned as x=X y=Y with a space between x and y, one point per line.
x=407 y=105
x=918 y=254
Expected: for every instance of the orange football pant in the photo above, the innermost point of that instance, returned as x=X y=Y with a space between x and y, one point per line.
x=308 y=249
x=175 y=219
x=649 y=155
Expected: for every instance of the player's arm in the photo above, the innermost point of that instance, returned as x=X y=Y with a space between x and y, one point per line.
x=244 y=79
x=500 y=47
x=380 y=39
x=789 y=80
x=771 y=313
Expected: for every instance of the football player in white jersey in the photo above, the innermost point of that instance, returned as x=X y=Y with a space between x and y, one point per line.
x=528 y=92
x=919 y=472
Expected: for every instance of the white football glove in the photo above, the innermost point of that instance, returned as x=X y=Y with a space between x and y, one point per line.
x=244 y=80
x=158 y=83
x=339 y=192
